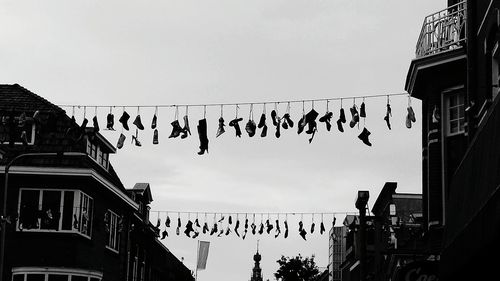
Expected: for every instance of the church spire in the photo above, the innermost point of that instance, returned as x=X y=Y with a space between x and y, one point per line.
x=257 y=271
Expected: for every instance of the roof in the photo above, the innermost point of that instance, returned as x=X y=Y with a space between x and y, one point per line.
x=19 y=98
x=144 y=189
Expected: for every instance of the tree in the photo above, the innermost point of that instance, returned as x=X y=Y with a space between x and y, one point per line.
x=296 y=269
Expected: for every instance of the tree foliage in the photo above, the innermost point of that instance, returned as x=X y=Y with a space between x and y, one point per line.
x=296 y=269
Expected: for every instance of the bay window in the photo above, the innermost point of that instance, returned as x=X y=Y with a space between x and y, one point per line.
x=55 y=210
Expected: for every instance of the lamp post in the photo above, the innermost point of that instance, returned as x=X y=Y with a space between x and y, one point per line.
x=361 y=203
x=3 y=218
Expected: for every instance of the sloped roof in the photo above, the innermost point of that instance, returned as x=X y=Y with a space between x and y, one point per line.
x=17 y=97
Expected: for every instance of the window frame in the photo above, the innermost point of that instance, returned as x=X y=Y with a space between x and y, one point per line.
x=113 y=229
x=495 y=71
x=95 y=152
x=76 y=210
x=46 y=271
x=460 y=119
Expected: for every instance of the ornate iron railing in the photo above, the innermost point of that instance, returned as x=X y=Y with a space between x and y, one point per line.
x=443 y=31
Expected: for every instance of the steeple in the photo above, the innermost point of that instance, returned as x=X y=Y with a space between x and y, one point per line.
x=257 y=271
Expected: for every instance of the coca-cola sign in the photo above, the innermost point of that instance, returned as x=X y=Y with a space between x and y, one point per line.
x=419 y=271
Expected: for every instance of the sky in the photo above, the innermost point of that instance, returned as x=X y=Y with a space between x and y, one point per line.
x=232 y=51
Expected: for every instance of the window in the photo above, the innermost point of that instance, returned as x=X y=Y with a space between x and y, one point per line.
x=54 y=274
x=95 y=152
x=55 y=210
x=112 y=225
x=455 y=113
x=20 y=135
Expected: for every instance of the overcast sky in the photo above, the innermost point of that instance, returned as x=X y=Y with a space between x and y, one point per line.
x=176 y=52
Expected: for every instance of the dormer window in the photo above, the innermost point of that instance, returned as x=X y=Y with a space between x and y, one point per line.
x=95 y=152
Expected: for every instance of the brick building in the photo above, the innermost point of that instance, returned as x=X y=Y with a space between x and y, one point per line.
x=68 y=215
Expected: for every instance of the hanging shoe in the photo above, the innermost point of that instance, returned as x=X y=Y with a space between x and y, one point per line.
x=311 y=121
x=254 y=228
x=387 y=121
x=262 y=121
x=176 y=129
x=278 y=230
x=408 y=121
x=136 y=141
x=364 y=136
x=284 y=124
x=327 y=119
x=138 y=123
x=354 y=116
x=286 y=230
x=301 y=226
x=95 y=124
x=261 y=228
x=411 y=114
x=230 y=220
x=196 y=233
x=236 y=228
x=124 y=120
x=220 y=232
x=121 y=140
x=186 y=128
x=83 y=126
x=278 y=132
x=362 y=110
x=214 y=229
x=202 y=132
x=263 y=134
x=246 y=224
x=24 y=138
x=234 y=123
x=167 y=222
x=154 y=122
x=435 y=115
x=303 y=234
x=228 y=230
x=273 y=118
x=197 y=223
x=22 y=120
x=155 y=136
x=312 y=227
x=301 y=125
x=189 y=229
x=321 y=228
x=158 y=223
x=288 y=120
x=164 y=234
x=269 y=227
x=220 y=129
x=339 y=126
x=110 y=121
x=250 y=128
x=205 y=228
x=244 y=234
x=342 y=115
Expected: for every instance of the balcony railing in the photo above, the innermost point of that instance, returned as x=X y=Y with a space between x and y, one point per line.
x=443 y=31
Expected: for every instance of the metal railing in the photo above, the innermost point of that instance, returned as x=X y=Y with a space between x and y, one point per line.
x=443 y=31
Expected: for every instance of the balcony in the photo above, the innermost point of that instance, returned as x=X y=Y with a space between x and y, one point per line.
x=443 y=31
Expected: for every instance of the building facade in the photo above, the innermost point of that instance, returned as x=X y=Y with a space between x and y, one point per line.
x=456 y=76
x=336 y=252
x=68 y=216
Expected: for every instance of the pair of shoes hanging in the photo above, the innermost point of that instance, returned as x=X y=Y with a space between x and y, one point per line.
x=410 y=116
x=341 y=120
x=354 y=116
x=177 y=130
x=310 y=120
